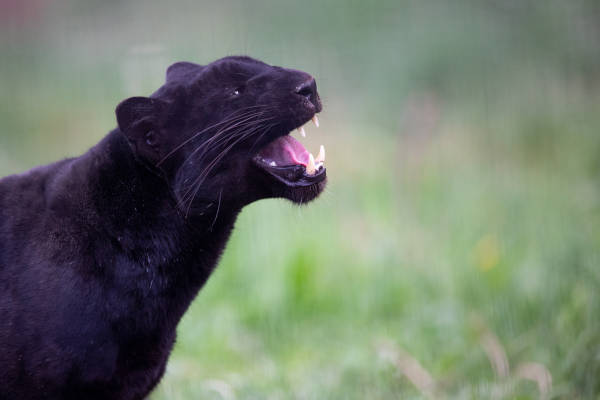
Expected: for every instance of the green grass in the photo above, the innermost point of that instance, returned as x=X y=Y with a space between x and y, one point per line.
x=461 y=226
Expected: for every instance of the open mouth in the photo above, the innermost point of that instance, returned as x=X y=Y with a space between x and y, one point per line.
x=286 y=159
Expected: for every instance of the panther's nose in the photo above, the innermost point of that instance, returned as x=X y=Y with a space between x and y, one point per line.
x=308 y=89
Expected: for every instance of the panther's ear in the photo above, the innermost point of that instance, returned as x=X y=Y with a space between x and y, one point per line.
x=139 y=120
x=183 y=71
x=135 y=110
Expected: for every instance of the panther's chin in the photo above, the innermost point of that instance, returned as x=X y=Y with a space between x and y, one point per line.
x=292 y=171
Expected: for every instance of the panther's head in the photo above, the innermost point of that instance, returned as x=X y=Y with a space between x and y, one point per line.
x=221 y=131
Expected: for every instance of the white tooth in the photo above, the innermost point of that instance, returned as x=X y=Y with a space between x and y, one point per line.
x=321 y=156
x=301 y=130
x=310 y=167
x=273 y=164
x=315 y=120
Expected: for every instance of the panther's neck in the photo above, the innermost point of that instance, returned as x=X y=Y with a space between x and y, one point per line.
x=160 y=253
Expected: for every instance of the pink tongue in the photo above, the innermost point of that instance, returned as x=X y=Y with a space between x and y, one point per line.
x=285 y=151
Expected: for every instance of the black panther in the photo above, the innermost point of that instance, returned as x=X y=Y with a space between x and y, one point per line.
x=101 y=255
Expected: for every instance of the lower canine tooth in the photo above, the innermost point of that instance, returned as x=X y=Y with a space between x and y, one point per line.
x=310 y=167
x=301 y=130
x=321 y=156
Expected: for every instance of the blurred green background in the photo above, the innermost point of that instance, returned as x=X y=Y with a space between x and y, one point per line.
x=456 y=251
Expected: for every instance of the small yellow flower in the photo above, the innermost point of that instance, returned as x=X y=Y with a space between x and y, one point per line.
x=487 y=252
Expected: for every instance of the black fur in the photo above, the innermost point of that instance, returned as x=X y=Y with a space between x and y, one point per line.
x=101 y=255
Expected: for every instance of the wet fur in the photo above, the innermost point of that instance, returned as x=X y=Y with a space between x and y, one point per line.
x=101 y=255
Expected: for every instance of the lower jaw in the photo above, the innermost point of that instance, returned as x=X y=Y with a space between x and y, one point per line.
x=301 y=194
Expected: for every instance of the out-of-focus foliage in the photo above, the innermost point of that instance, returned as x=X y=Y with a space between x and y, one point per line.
x=456 y=251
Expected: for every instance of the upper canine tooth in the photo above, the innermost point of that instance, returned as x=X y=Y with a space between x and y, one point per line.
x=310 y=167
x=315 y=120
x=321 y=156
x=301 y=130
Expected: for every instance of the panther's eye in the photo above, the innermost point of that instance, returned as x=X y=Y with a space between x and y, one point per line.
x=238 y=90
